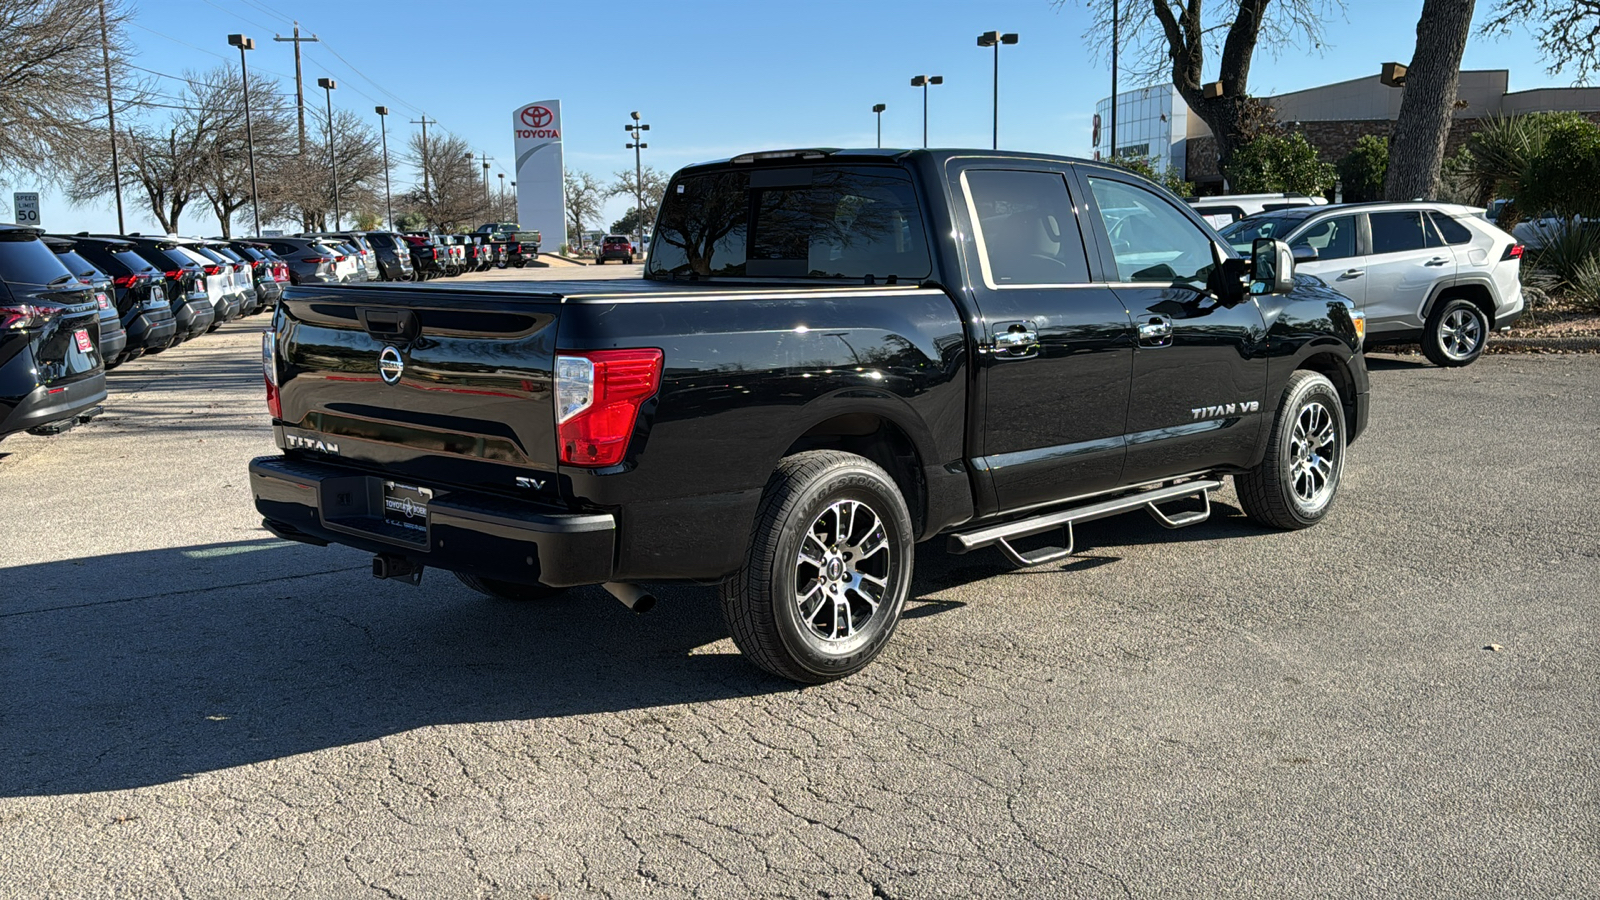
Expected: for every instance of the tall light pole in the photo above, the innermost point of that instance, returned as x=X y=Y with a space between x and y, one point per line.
x=111 y=114
x=879 y=108
x=502 y=177
x=922 y=81
x=327 y=85
x=1116 y=39
x=486 y=160
x=244 y=43
x=383 y=126
x=995 y=39
x=637 y=145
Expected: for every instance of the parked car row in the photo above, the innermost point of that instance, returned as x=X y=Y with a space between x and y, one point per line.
x=1437 y=274
x=434 y=255
x=74 y=306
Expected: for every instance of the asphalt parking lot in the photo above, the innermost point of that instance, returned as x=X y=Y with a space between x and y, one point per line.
x=191 y=708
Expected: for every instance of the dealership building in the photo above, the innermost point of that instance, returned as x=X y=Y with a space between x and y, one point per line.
x=1155 y=122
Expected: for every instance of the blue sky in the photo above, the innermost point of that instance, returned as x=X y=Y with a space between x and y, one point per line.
x=715 y=78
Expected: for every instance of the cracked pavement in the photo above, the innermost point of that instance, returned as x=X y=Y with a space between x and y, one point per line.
x=191 y=708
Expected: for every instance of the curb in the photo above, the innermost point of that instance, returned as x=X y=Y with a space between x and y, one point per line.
x=1551 y=344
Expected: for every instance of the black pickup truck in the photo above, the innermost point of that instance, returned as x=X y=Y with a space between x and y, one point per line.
x=832 y=356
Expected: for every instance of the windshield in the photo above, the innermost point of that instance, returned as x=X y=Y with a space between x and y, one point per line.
x=792 y=222
x=1243 y=233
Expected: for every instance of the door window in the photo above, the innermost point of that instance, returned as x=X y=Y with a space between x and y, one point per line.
x=1398 y=232
x=1333 y=238
x=1027 y=229
x=1151 y=241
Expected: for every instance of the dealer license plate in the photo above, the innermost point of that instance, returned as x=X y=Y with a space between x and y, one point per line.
x=82 y=337
x=406 y=505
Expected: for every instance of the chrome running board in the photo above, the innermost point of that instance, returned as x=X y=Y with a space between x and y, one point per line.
x=1001 y=535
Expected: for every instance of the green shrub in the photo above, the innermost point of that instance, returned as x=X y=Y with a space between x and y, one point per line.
x=1278 y=163
x=1146 y=167
x=1564 y=175
x=1571 y=260
x=1364 y=169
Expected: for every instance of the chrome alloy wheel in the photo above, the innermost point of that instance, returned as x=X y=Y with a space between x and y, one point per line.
x=842 y=574
x=1460 y=334
x=1313 y=448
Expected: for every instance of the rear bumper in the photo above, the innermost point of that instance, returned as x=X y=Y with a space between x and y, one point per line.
x=464 y=531
x=113 y=340
x=52 y=403
x=151 y=328
x=195 y=315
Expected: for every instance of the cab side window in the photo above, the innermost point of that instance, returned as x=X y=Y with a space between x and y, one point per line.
x=1027 y=229
x=1151 y=241
x=1333 y=238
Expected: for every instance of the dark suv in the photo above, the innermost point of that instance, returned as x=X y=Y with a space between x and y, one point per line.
x=192 y=308
x=51 y=372
x=113 y=340
x=615 y=246
x=428 y=259
x=394 y=255
x=139 y=293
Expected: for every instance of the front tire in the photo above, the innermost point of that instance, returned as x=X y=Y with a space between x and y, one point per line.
x=827 y=571
x=1295 y=483
x=1455 y=334
x=509 y=590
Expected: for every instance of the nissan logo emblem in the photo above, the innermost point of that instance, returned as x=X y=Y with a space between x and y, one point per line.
x=390 y=366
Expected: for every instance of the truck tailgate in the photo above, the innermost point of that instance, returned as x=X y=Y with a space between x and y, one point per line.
x=437 y=386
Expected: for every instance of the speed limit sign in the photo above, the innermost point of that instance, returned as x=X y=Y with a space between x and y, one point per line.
x=26 y=206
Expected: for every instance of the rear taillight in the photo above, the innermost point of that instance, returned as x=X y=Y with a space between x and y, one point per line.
x=315 y=260
x=238 y=267
x=125 y=281
x=213 y=270
x=24 y=316
x=598 y=395
x=175 y=274
x=269 y=370
x=1512 y=252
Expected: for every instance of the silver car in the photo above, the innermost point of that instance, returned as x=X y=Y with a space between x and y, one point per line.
x=1437 y=274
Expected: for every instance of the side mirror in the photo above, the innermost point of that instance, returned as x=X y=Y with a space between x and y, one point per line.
x=1271 y=267
x=1305 y=253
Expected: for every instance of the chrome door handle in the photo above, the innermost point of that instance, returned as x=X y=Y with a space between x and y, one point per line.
x=1018 y=341
x=1157 y=332
x=1353 y=273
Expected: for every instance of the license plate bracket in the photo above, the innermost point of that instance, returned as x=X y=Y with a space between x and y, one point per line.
x=406 y=506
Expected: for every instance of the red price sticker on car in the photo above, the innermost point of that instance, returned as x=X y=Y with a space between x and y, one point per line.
x=84 y=344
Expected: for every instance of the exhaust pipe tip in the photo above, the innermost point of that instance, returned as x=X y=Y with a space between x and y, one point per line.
x=632 y=596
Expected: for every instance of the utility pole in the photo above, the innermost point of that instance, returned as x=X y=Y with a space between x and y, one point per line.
x=638 y=164
x=425 y=122
x=383 y=125
x=111 y=113
x=299 y=85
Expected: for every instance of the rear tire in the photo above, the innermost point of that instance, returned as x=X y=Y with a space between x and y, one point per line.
x=509 y=590
x=827 y=571
x=1295 y=483
x=1455 y=334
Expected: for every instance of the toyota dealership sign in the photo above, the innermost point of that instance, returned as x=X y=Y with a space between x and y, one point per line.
x=541 y=192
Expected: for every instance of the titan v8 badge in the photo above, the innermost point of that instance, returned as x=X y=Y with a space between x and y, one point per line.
x=390 y=365
x=1226 y=409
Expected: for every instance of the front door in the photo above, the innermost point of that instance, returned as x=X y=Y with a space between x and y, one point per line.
x=1057 y=349
x=1340 y=260
x=1200 y=366
x=1407 y=259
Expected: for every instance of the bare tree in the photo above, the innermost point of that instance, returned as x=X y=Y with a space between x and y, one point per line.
x=52 y=82
x=303 y=187
x=453 y=196
x=585 y=193
x=644 y=187
x=1426 y=110
x=1172 y=41
x=1568 y=31
x=224 y=168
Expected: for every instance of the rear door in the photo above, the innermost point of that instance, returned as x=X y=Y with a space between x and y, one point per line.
x=1199 y=367
x=1057 y=349
x=1407 y=259
x=432 y=386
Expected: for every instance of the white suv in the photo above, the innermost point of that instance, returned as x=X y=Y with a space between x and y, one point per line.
x=1433 y=273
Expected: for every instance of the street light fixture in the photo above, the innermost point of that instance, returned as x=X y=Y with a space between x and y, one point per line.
x=922 y=81
x=995 y=39
x=328 y=85
x=383 y=126
x=879 y=108
x=244 y=43
x=635 y=130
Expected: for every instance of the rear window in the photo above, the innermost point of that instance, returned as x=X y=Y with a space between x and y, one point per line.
x=799 y=222
x=79 y=266
x=381 y=241
x=137 y=265
x=29 y=261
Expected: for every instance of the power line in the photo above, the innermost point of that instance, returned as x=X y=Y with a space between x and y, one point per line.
x=269 y=11
x=237 y=16
x=201 y=49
